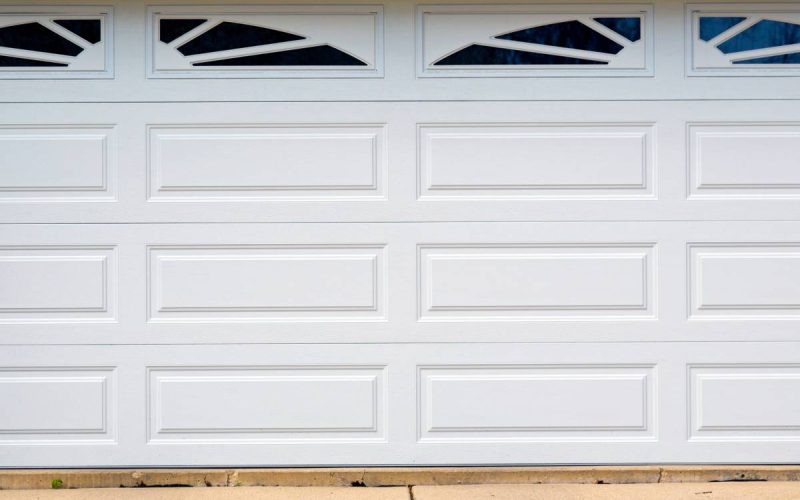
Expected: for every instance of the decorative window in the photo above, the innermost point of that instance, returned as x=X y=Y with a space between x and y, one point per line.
x=534 y=40
x=55 y=42
x=744 y=39
x=265 y=41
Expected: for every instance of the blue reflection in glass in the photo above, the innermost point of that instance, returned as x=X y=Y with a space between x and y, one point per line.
x=491 y=56
x=762 y=35
x=172 y=29
x=34 y=36
x=781 y=59
x=228 y=36
x=15 y=62
x=710 y=27
x=629 y=27
x=321 y=55
x=88 y=29
x=569 y=34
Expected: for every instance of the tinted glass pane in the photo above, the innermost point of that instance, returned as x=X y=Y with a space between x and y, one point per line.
x=485 y=55
x=171 y=29
x=34 y=36
x=713 y=26
x=762 y=35
x=569 y=34
x=629 y=27
x=321 y=55
x=781 y=59
x=7 y=61
x=88 y=29
x=227 y=36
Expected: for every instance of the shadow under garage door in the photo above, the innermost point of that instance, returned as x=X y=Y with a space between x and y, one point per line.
x=350 y=233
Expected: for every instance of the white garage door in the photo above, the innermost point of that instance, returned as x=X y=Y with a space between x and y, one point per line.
x=342 y=234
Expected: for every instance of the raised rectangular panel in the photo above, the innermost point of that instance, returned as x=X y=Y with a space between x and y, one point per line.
x=233 y=404
x=743 y=39
x=744 y=281
x=265 y=162
x=267 y=283
x=536 y=282
x=744 y=402
x=500 y=161
x=57 y=284
x=57 y=163
x=487 y=40
x=265 y=41
x=52 y=42
x=757 y=161
x=43 y=405
x=536 y=403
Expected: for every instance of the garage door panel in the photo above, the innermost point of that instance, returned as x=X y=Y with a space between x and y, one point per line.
x=404 y=162
x=58 y=284
x=252 y=163
x=744 y=402
x=745 y=281
x=283 y=404
x=85 y=397
x=453 y=282
x=739 y=161
x=664 y=369
x=498 y=162
x=63 y=163
x=485 y=282
x=445 y=405
x=535 y=403
x=670 y=59
x=278 y=283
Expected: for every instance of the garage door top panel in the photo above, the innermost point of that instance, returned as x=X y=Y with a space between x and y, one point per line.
x=399 y=162
x=357 y=51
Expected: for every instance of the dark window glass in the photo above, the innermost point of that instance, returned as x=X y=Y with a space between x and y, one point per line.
x=88 y=29
x=321 y=55
x=781 y=59
x=34 y=36
x=10 y=62
x=171 y=29
x=713 y=26
x=569 y=34
x=629 y=27
x=762 y=35
x=227 y=36
x=485 y=55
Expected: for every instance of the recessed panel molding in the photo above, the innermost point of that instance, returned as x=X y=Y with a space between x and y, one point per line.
x=536 y=403
x=266 y=283
x=266 y=404
x=536 y=282
x=536 y=161
x=58 y=405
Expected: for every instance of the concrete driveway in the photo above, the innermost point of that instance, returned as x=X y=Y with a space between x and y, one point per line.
x=675 y=491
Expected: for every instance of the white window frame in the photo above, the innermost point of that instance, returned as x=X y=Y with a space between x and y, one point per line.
x=425 y=70
x=371 y=71
x=105 y=12
x=693 y=11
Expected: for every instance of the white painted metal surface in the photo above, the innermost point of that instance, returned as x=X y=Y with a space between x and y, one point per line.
x=396 y=263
